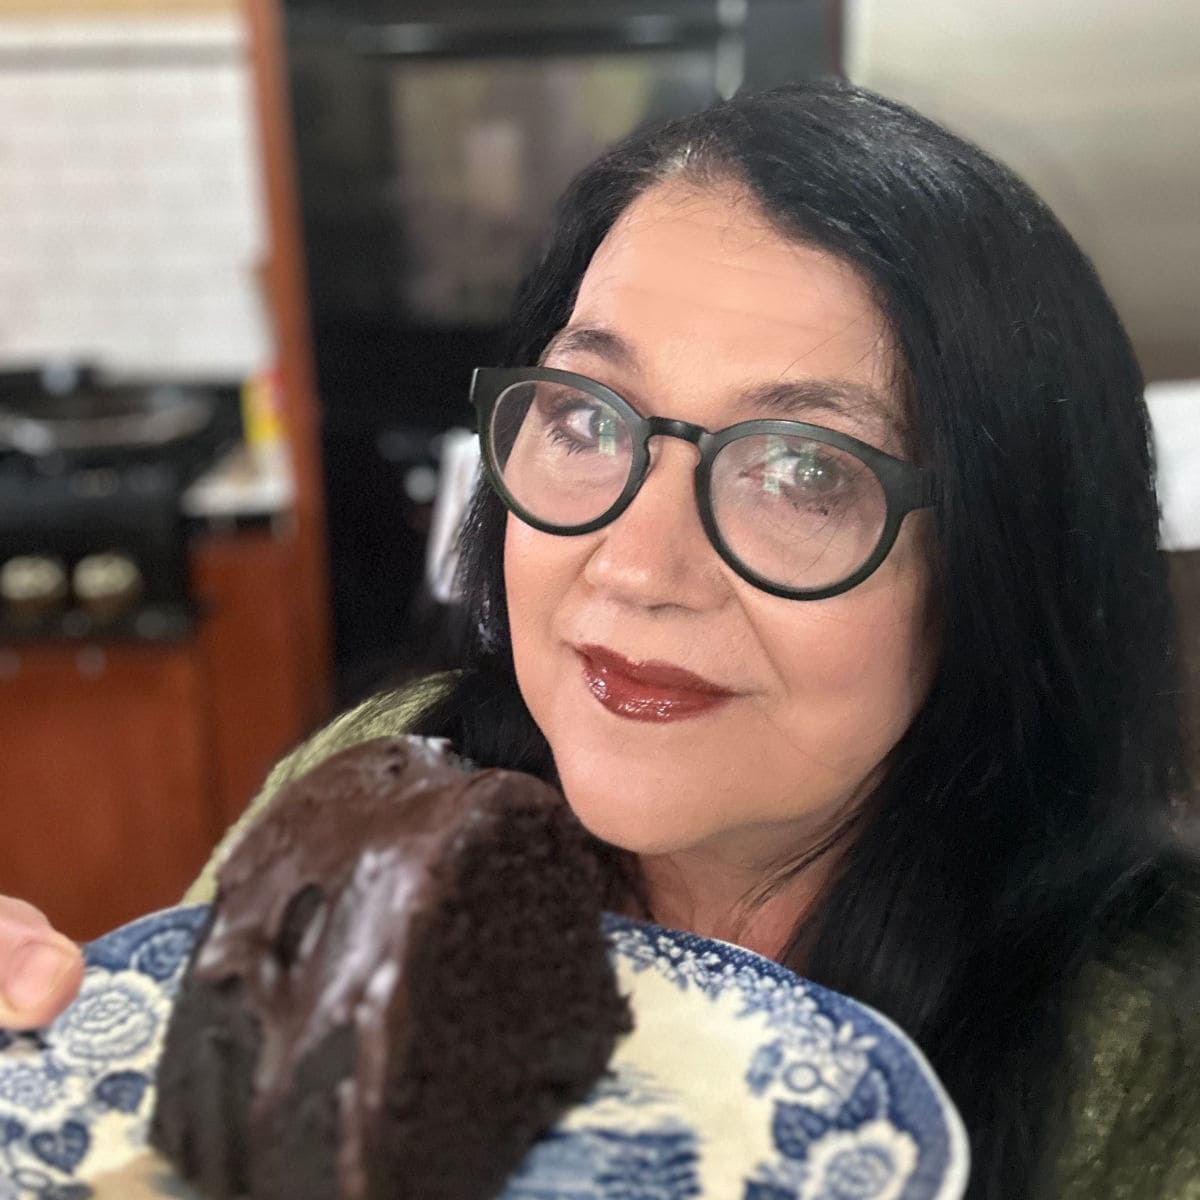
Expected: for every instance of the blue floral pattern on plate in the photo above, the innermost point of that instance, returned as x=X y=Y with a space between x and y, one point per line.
x=75 y=1098
x=740 y=1081
x=783 y=1089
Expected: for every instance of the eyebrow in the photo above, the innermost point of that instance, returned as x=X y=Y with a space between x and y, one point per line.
x=591 y=339
x=791 y=399
x=786 y=399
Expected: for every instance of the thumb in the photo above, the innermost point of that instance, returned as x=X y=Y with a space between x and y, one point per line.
x=40 y=969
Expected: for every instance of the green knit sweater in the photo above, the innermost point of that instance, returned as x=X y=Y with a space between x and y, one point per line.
x=1124 y=1143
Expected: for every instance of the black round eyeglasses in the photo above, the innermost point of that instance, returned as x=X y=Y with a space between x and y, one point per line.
x=798 y=510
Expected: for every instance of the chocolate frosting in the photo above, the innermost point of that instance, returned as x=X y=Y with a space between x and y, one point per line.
x=317 y=903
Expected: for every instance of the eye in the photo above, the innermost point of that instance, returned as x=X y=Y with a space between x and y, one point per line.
x=590 y=422
x=580 y=422
x=806 y=469
x=816 y=472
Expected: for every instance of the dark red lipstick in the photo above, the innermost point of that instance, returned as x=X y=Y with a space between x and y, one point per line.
x=647 y=691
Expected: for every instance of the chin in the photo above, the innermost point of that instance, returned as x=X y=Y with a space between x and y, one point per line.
x=637 y=822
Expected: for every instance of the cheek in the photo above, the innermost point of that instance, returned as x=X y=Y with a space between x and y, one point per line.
x=539 y=570
x=852 y=673
x=877 y=665
x=538 y=567
x=524 y=585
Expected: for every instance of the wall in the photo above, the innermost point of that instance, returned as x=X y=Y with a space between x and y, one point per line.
x=130 y=217
x=1096 y=103
x=43 y=9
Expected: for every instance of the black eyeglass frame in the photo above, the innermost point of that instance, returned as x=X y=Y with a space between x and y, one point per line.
x=906 y=487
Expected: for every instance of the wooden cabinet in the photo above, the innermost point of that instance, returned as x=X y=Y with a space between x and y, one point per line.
x=261 y=700
x=105 y=779
x=121 y=764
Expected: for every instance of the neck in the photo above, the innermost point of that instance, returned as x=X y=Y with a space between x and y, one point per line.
x=697 y=892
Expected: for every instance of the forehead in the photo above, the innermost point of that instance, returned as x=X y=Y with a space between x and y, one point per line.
x=714 y=301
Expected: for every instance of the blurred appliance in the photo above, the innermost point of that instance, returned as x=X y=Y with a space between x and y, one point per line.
x=92 y=539
x=433 y=137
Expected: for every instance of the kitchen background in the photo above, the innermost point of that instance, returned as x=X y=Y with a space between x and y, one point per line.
x=249 y=252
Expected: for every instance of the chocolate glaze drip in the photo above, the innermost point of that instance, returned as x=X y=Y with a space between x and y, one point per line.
x=319 y=900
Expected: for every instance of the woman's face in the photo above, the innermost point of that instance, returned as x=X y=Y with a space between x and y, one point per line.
x=690 y=303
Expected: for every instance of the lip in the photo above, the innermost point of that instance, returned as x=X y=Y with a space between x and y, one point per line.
x=647 y=691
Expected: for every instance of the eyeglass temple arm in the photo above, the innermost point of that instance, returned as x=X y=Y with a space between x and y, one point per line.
x=924 y=492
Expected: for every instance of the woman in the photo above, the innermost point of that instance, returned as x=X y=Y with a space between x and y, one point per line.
x=887 y=690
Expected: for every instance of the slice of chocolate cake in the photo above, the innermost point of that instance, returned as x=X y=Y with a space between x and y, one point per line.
x=403 y=984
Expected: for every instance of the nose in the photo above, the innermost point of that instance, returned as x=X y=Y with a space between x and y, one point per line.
x=656 y=555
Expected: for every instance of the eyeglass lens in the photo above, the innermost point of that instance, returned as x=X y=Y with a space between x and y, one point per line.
x=798 y=512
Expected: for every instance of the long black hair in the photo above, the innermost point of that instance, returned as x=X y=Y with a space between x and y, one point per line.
x=1023 y=830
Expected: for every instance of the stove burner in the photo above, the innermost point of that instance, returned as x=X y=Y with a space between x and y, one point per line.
x=92 y=481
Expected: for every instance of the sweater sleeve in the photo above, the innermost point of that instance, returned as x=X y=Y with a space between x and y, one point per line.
x=385 y=715
x=1134 y=1121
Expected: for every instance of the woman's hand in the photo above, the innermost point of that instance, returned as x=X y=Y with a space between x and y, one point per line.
x=40 y=970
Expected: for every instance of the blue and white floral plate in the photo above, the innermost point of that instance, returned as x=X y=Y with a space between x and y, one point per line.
x=740 y=1082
